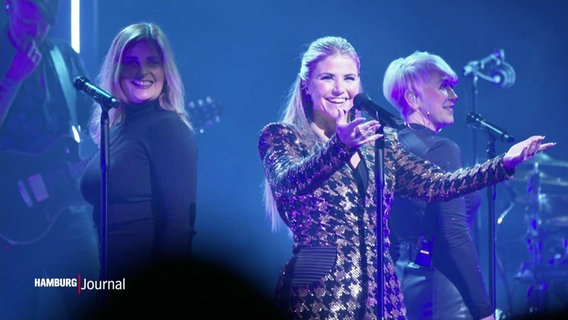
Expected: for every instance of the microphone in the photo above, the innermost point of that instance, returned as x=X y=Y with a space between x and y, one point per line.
x=363 y=103
x=102 y=97
x=475 y=65
x=502 y=74
x=475 y=120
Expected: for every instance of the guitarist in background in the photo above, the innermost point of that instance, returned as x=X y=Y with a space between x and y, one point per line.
x=43 y=236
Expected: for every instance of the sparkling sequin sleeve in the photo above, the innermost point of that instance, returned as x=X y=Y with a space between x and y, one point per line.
x=418 y=178
x=290 y=167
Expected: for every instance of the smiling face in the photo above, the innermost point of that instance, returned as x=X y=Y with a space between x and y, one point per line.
x=142 y=72
x=438 y=99
x=332 y=85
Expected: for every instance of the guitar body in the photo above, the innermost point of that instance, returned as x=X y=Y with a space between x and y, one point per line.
x=36 y=188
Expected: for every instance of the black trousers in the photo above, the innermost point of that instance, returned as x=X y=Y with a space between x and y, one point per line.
x=428 y=294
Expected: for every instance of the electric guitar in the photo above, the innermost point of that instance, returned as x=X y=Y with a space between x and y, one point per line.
x=36 y=187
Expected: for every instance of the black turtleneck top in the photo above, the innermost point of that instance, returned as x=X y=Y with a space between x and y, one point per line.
x=151 y=188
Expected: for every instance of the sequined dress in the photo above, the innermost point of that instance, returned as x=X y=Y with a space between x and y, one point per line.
x=333 y=271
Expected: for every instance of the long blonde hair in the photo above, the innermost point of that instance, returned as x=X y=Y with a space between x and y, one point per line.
x=172 y=96
x=298 y=109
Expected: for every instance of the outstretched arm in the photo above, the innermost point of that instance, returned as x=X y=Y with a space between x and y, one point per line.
x=525 y=150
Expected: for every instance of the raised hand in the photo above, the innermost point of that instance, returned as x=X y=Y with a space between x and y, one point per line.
x=524 y=150
x=357 y=132
x=26 y=60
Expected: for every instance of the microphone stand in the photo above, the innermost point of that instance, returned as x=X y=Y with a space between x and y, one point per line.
x=106 y=102
x=104 y=186
x=474 y=109
x=503 y=77
x=385 y=118
x=474 y=90
x=379 y=183
x=491 y=196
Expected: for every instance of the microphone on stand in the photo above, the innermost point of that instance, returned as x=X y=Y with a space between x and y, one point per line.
x=101 y=96
x=501 y=73
x=476 y=121
x=362 y=102
x=475 y=65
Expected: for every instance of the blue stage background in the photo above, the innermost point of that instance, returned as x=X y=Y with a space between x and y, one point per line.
x=244 y=54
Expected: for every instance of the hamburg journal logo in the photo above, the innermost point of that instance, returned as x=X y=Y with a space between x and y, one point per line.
x=81 y=284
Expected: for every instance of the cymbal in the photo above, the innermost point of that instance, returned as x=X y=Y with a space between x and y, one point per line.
x=525 y=176
x=543 y=159
x=556 y=222
x=551 y=204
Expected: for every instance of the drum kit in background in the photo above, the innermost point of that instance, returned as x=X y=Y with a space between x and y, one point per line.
x=543 y=200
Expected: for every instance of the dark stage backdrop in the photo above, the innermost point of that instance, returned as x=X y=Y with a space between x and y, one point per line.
x=244 y=54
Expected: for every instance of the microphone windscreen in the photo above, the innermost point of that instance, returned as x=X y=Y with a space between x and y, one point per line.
x=473 y=118
x=79 y=82
x=360 y=100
